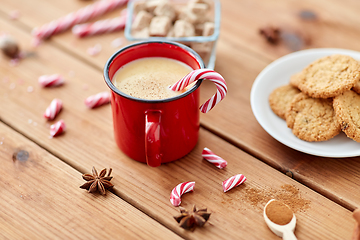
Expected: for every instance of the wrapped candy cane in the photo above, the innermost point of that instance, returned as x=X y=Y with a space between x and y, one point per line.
x=101 y=26
x=53 y=80
x=232 y=182
x=213 y=158
x=57 y=128
x=82 y=15
x=97 y=100
x=208 y=74
x=53 y=110
x=179 y=190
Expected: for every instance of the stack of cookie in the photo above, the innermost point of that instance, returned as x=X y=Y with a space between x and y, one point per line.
x=321 y=100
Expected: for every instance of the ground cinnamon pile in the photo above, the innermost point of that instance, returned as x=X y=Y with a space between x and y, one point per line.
x=278 y=212
x=288 y=194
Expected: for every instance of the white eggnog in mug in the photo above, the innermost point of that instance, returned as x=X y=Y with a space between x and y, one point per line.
x=150 y=78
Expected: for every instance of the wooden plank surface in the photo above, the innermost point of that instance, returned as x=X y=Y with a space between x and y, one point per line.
x=242 y=53
x=41 y=199
x=89 y=142
x=336 y=25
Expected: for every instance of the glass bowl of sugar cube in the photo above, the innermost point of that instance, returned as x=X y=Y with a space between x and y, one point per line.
x=195 y=23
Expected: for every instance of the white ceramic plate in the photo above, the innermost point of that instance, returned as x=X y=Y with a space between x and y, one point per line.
x=277 y=74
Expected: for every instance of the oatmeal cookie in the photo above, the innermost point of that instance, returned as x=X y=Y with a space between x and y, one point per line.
x=312 y=119
x=329 y=76
x=347 y=110
x=280 y=98
x=294 y=79
x=356 y=88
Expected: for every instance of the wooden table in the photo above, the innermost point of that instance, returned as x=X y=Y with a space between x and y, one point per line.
x=40 y=194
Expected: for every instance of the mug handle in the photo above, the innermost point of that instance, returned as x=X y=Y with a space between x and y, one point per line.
x=152 y=138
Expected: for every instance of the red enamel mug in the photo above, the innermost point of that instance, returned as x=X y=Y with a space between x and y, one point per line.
x=155 y=131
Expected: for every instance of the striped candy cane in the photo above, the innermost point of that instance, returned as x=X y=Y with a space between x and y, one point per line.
x=57 y=128
x=208 y=74
x=232 y=182
x=101 y=26
x=53 y=80
x=97 y=100
x=82 y=15
x=213 y=158
x=179 y=190
x=53 y=110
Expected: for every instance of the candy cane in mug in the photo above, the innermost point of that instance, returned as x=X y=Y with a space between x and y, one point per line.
x=232 y=182
x=213 y=158
x=179 y=190
x=208 y=74
x=82 y=15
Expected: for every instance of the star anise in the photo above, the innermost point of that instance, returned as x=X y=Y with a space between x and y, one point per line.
x=97 y=182
x=190 y=220
x=271 y=34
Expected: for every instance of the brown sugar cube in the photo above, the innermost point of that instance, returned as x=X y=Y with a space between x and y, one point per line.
x=199 y=29
x=143 y=33
x=142 y=20
x=183 y=28
x=139 y=6
x=203 y=49
x=152 y=4
x=191 y=17
x=209 y=28
x=207 y=2
x=160 y=26
x=198 y=8
x=171 y=32
x=179 y=10
x=165 y=9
